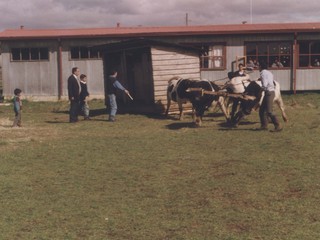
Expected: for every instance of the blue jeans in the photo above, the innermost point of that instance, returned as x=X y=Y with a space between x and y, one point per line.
x=85 y=109
x=112 y=105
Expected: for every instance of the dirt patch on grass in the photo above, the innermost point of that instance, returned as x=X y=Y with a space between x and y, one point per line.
x=11 y=137
x=5 y=123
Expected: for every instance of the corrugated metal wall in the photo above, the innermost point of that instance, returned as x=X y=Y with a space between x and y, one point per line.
x=235 y=48
x=308 y=79
x=92 y=68
x=34 y=78
x=1 y=87
x=40 y=79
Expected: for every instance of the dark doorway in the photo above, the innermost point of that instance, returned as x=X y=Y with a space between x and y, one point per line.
x=134 y=68
x=139 y=75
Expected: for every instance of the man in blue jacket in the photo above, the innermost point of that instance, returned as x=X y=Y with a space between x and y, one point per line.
x=111 y=86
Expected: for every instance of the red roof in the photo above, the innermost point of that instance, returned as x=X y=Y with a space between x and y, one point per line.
x=25 y=33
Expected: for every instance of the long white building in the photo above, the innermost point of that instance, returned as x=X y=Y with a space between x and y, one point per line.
x=39 y=61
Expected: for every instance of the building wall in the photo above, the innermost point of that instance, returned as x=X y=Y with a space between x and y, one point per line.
x=308 y=79
x=92 y=68
x=39 y=80
x=35 y=78
x=235 y=49
x=1 y=85
x=168 y=63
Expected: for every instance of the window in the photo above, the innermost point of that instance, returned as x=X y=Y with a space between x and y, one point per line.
x=275 y=54
x=44 y=53
x=309 y=54
x=29 y=54
x=15 y=54
x=77 y=53
x=212 y=56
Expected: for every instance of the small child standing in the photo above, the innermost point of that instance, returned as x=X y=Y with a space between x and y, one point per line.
x=17 y=107
x=84 y=94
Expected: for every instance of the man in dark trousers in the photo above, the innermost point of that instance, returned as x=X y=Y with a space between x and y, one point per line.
x=266 y=108
x=74 y=89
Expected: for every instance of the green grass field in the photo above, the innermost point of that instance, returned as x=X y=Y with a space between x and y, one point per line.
x=148 y=177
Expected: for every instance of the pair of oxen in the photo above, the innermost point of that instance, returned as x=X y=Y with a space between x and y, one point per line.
x=245 y=95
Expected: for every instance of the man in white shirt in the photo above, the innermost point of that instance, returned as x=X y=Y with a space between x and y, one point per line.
x=266 y=108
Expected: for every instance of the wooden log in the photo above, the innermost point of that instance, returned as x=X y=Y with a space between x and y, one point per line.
x=242 y=96
x=224 y=94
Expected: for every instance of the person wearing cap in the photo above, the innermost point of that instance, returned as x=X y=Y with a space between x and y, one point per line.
x=266 y=108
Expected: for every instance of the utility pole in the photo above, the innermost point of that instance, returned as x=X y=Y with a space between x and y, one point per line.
x=251 y=11
x=187 y=19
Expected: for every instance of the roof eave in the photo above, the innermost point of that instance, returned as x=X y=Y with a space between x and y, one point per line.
x=160 y=34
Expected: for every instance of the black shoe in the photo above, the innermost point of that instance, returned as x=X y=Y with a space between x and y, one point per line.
x=277 y=129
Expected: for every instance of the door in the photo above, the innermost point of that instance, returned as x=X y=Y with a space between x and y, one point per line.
x=139 y=75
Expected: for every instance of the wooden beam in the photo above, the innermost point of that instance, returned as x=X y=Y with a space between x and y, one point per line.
x=224 y=94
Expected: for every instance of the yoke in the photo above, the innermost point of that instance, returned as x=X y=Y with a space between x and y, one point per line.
x=223 y=94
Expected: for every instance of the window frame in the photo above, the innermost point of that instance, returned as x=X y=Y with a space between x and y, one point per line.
x=84 y=53
x=309 y=55
x=201 y=46
x=268 y=53
x=223 y=56
x=28 y=54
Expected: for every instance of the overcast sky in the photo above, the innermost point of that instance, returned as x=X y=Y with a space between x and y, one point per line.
x=37 y=14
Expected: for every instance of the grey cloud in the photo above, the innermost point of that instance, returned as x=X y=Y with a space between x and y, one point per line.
x=106 y=13
x=102 y=6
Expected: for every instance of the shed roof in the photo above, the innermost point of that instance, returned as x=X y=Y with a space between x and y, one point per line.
x=141 y=43
x=25 y=33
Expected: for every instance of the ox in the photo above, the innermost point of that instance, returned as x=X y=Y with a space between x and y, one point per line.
x=239 y=85
x=178 y=91
x=255 y=90
x=173 y=96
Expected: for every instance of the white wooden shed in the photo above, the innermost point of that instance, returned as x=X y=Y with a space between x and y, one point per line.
x=145 y=66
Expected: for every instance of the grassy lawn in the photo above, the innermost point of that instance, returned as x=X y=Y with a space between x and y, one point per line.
x=148 y=177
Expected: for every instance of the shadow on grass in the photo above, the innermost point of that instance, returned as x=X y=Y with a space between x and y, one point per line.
x=56 y=122
x=214 y=115
x=93 y=112
x=207 y=118
x=97 y=112
x=226 y=126
x=180 y=125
